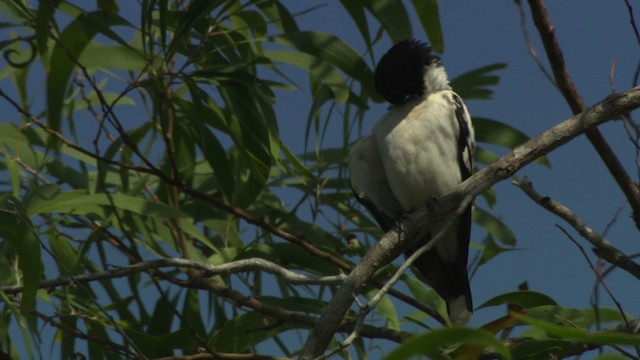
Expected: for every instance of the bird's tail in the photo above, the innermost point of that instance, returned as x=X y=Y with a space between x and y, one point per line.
x=459 y=307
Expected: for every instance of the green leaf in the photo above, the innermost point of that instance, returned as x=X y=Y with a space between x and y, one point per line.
x=535 y=349
x=253 y=327
x=498 y=133
x=249 y=123
x=570 y=332
x=333 y=50
x=278 y=15
x=429 y=16
x=72 y=42
x=44 y=17
x=297 y=164
x=434 y=342
x=79 y=202
x=109 y=6
x=473 y=84
x=16 y=228
x=323 y=71
x=197 y=10
x=67 y=257
x=212 y=150
x=359 y=17
x=7 y=273
x=393 y=16
x=602 y=316
x=611 y=356
x=426 y=295
x=561 y=315
x=492 y=249
x=14 y=140
x=97 y=56
x=494 y=226
x=386 y=308
x=525 y=299
x=190 y=316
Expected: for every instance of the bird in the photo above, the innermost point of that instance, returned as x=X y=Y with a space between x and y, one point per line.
x=419 y=150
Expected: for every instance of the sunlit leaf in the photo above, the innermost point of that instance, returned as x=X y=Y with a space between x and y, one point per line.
x=434 y=343
x=474 y=84
x=534 y=349
x=254 y=328
x=491 y=249
x=97 y=56
x=17 y=229
x=429 y=16
x=79 y=202
x=570 y=332
x=386 y=308
x=525 y=299
x=393 y=17
x=332 y=50
x=494 y=226
x=73 y=41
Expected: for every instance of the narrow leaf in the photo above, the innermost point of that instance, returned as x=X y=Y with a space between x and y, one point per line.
x=434 y=342
x=525 y=299
x=494 y=226
x=16 y=227
x=429 y=16
x=473 y=84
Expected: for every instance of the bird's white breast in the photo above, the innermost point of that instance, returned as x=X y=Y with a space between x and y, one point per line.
x=418 y=144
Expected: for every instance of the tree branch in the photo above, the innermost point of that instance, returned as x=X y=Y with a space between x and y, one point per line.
x=392 y=243
x=207 y=268
x=566 y=86
x=366 y=309
x=601 y=246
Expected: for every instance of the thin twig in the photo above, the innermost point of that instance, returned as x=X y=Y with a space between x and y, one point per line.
x=602 y=247
x=596 y=273
x=632 y=20
x=530 y=47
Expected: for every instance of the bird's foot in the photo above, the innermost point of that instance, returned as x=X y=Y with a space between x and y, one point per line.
x=433 y=204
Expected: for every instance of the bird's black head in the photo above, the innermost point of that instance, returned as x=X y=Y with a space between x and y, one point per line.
x=400 y=73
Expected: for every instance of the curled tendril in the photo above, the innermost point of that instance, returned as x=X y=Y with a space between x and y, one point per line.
x=9 y=53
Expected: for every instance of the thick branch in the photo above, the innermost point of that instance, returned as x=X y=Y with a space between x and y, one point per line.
x=392 y=244
x=567 y=88
x=602 y=247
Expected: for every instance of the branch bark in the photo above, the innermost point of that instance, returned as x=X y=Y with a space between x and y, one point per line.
x=207 y=268
x=392 y=243
x=568 y=89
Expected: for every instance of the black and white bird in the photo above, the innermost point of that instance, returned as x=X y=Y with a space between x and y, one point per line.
x=420 y=149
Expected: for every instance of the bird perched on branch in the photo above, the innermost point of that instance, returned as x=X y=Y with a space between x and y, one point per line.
x=420 y=149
